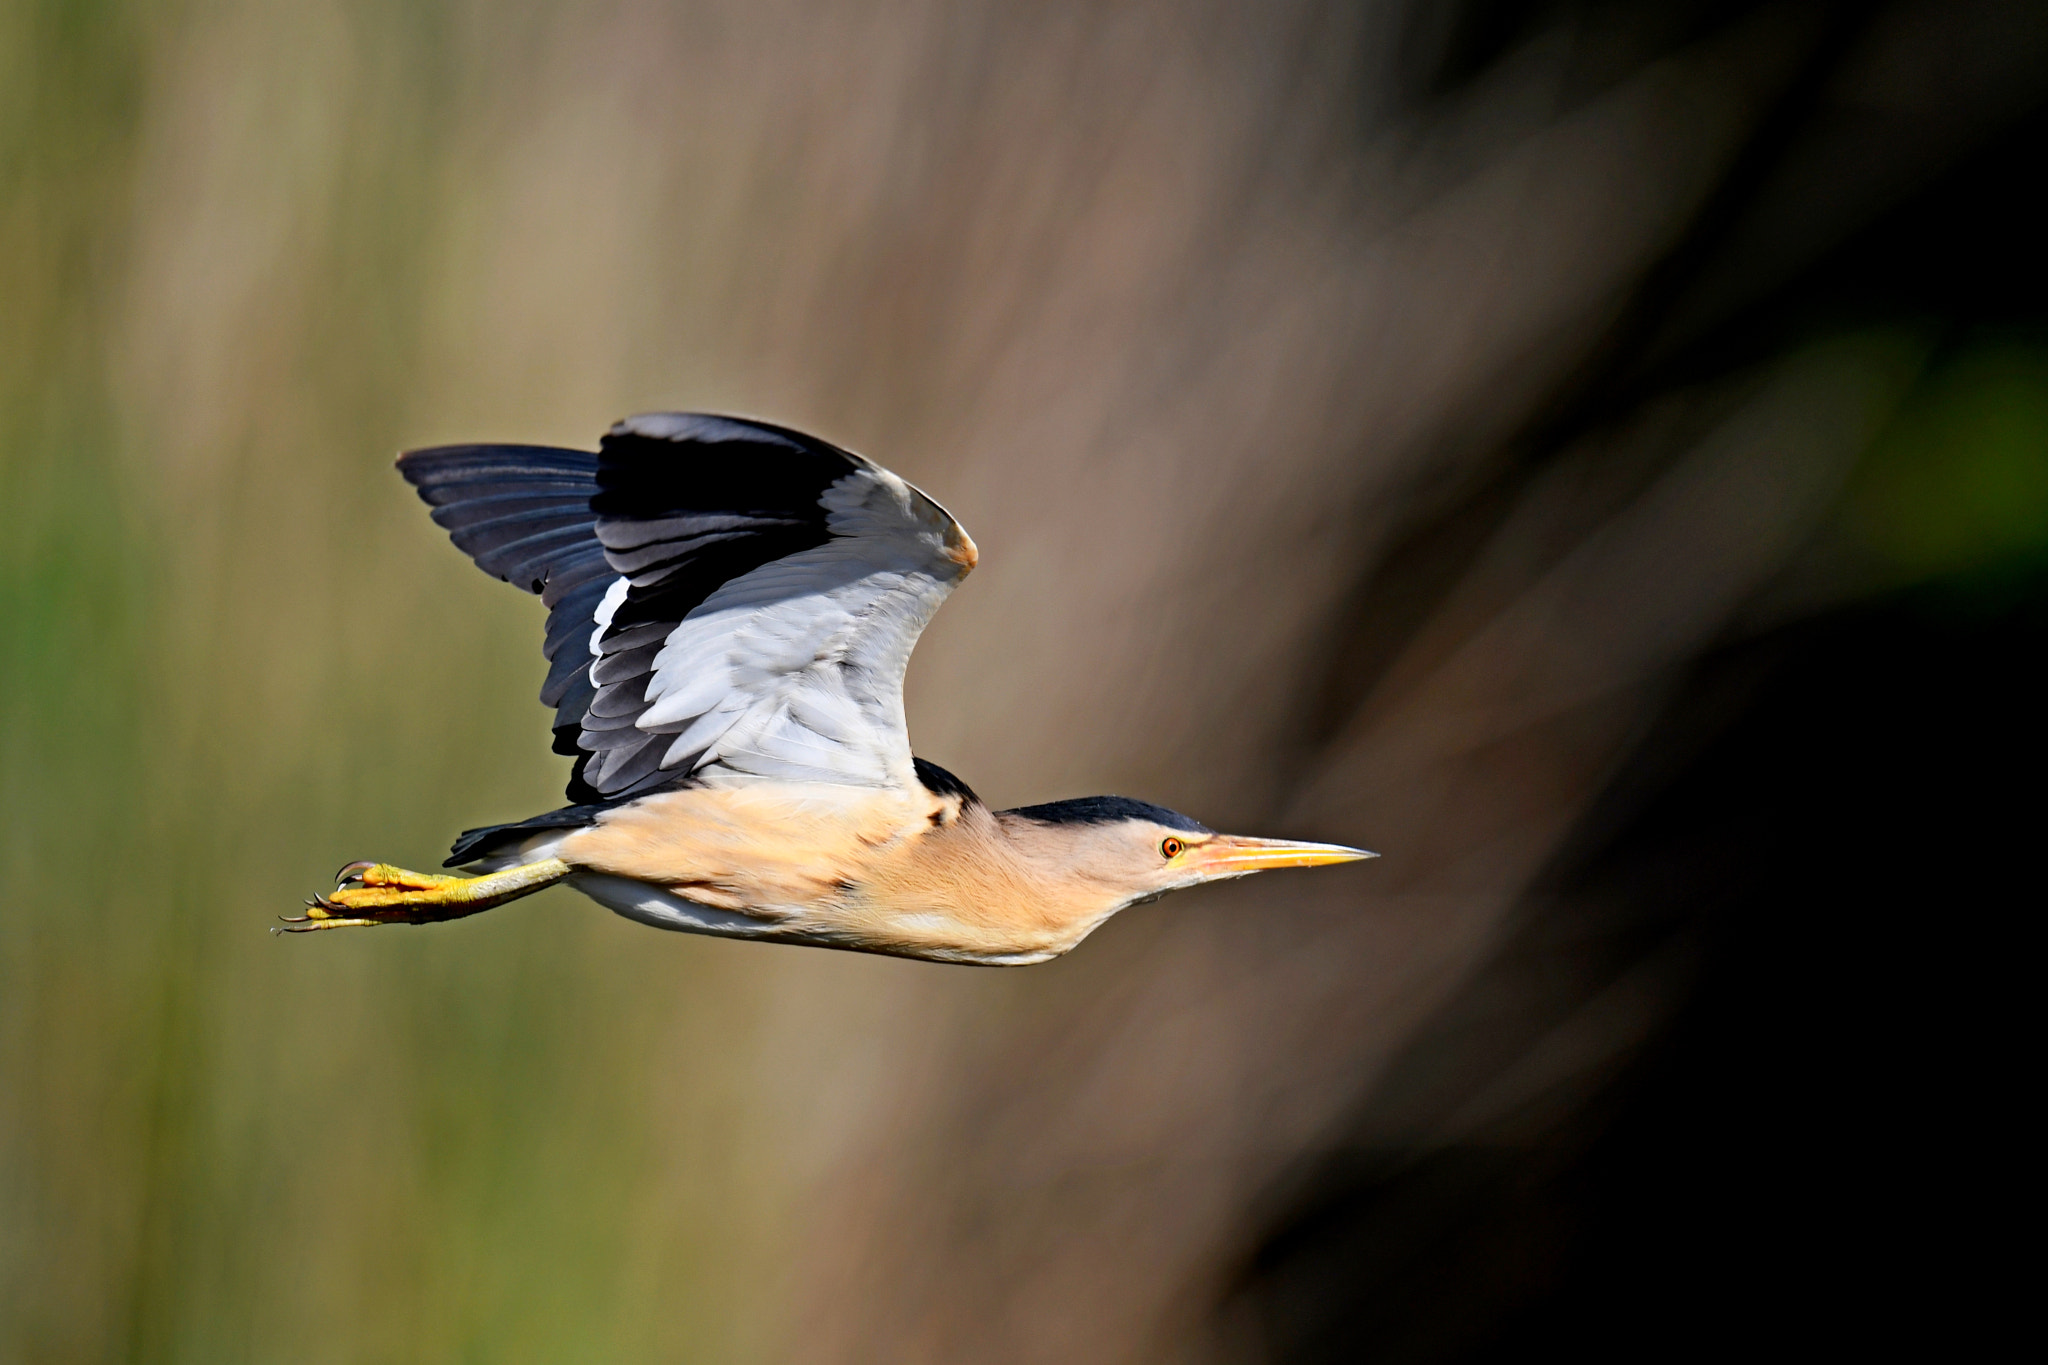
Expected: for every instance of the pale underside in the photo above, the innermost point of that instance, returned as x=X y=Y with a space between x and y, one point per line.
x=907 y=873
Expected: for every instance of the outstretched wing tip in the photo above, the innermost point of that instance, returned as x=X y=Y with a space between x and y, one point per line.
x=961 y=549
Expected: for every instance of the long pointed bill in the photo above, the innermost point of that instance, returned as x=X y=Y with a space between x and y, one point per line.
x=1229 y=855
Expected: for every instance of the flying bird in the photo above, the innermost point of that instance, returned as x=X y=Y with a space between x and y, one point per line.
x=731 y=607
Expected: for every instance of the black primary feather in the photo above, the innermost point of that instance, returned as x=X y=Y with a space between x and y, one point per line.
x=523 y=514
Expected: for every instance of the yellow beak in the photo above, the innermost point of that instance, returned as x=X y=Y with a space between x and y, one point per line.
x=1229 y=855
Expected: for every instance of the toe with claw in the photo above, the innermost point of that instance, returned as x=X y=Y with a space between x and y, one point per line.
x=367 y=894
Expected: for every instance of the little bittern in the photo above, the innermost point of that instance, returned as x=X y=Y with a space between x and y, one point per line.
x=731 y=608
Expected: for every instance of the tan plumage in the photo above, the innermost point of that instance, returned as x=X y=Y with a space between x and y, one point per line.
x=749 y=597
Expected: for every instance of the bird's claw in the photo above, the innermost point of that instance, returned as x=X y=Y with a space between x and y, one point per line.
x=320 y=906
x=368 y=894
x=352 y=872
x=304 y=924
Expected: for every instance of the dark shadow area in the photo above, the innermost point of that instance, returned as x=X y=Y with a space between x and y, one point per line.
x=1747 y=1073
x=1817 y=1148
x=1840 y=212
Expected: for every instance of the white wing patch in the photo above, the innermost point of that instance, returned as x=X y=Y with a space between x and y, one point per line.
x=794 y=671
x=606 y=609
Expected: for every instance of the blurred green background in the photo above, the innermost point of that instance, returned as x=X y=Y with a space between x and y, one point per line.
x=1194 y=314
x=233 y=653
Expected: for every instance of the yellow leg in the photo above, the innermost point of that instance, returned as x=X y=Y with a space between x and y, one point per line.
x=369 y=894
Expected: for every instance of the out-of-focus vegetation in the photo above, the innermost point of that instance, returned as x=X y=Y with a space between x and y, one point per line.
x=1366 y=413
x=232 y=653
x=1959 y=483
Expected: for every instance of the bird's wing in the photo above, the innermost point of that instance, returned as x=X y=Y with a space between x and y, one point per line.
x=761 y=596
x=523 y=514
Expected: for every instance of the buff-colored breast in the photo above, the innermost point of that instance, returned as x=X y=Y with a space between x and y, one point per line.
x=907 y=873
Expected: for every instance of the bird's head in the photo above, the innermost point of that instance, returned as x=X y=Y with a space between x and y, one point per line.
x=1129 y=851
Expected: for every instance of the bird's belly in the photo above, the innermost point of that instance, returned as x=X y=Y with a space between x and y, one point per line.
x=932 y=937
x=650 y=904
x=832 y=867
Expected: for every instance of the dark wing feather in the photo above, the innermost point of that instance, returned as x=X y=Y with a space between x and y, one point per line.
x=686 y=503
x=473 y=845
x=774 y=588
x=523 y=514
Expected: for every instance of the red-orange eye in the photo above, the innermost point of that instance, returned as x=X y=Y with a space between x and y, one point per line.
x=1172 y=848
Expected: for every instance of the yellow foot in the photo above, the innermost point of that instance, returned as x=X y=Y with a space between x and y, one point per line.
x=369 y=894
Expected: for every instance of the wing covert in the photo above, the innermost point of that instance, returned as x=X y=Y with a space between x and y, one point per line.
x=771 y=590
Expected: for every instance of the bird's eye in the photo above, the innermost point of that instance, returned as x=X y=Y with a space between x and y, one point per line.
x=1172 y=848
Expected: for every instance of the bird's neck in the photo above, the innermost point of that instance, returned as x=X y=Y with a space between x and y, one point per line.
x=992 y=878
